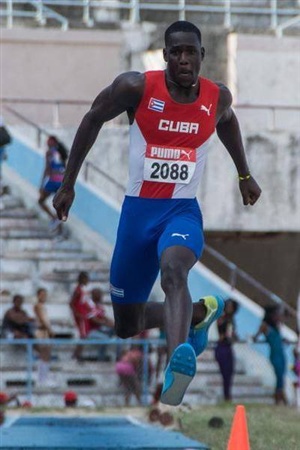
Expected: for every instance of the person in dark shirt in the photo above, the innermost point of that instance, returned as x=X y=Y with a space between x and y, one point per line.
x=224 y=352
x=17 y=322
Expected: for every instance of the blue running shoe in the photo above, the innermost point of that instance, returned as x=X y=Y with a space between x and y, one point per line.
x=179 y=373
x=198 y=335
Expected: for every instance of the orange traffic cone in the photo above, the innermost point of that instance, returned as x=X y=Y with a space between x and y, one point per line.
x=239 y=439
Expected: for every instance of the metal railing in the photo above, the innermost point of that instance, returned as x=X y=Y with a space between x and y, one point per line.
x=227 y=8
x=58 y=104
x=41 y=14
x=41 y=133
x=235 y=272
x=31 y=345
x=27 y=377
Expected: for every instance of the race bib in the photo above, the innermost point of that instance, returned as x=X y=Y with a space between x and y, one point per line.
x=169 y=164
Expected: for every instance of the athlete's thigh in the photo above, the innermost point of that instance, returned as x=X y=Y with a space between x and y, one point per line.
x=134 y=265
x=183 y=231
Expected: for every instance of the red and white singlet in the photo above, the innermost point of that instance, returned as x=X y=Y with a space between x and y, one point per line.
x=169 y=140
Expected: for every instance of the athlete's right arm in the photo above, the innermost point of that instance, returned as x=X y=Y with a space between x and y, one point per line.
x=124 y=94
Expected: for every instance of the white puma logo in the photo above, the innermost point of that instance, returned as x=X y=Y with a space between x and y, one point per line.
x=184 y=236
x=207 y=110
x=186 y=153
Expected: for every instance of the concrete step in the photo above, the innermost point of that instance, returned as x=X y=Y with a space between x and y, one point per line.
x=22 y=223
x=61 y=283
x=70 y=276
x=35 y=232
x=10 y=202
x=13 y=283
x=49 y=254
x=52 y=266
x=18 y=213
x=20 y=243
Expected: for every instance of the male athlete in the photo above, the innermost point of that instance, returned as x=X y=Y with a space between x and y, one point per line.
x=172 y=115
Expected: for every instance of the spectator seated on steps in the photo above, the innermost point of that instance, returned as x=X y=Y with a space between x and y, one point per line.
x=89 y=315
x=16 y=322
x=98 y=325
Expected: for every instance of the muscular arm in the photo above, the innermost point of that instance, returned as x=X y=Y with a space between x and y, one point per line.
x=124 y=94
x=229 y=133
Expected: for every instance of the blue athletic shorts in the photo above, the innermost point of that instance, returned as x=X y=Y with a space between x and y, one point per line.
x=146 y=228
x=52 y=186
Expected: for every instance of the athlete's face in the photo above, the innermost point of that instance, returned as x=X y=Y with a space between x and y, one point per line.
x=183 y=55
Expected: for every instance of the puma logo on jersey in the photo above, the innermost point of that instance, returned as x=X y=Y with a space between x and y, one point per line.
x=187 y=154
x=207 y=110
x=178 y=127
x=184 y=236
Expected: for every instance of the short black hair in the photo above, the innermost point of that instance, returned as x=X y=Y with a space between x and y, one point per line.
x=182 y=25
x=270 y=312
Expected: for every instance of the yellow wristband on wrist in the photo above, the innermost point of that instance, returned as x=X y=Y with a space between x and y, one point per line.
x=246 y=177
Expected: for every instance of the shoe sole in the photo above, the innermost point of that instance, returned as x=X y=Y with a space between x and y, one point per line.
x=183 y=368
x=205 y=329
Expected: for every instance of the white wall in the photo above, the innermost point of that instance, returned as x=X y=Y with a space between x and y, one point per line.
x=53 y=64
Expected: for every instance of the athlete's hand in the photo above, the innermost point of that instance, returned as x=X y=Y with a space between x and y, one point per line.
x=250 y=191
x=62 y=202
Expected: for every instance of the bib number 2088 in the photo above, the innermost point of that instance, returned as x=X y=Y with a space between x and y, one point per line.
x=173 y=171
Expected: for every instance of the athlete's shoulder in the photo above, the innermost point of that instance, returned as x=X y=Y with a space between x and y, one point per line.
x=225 y=96
x=129 y=81
x=128 y=88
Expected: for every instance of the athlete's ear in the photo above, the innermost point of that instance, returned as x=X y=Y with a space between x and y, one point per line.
x=202 y=53
x=165 y=55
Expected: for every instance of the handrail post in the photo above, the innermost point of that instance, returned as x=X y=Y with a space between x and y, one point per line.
x=86 y=14
x=38 y=137
x=274 y=16
x=273 y=110
x=86 y=171
x=29 y=369
x=10 y=13
x=181 y=4
x=56 y=122
x=134 y=11
x=145 y=372
x=40 y=13
x=227 y=13
x=233 y=275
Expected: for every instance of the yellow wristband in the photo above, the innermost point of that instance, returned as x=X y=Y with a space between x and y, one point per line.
x=246 y=177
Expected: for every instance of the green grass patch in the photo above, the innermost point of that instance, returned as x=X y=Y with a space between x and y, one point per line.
x=269 y=427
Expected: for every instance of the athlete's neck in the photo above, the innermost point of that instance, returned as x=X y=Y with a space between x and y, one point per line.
x=180 y=86
x=182 y=94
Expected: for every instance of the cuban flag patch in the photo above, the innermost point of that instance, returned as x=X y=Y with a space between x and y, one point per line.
x=156 y=105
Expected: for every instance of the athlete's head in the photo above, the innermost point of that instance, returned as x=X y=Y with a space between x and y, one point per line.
x=183 y=52
x=182 y=26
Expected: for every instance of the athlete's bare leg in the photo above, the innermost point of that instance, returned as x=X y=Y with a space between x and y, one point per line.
x=176 y=314
x=42 y=202
x=175 y=264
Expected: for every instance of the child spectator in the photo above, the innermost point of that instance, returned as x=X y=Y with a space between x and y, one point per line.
x=129 y=368
x=78 y=305
x=43 y=331
x=98 y=325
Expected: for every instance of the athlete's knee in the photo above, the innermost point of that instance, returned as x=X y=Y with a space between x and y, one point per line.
x=126 y=330
x=173 y=275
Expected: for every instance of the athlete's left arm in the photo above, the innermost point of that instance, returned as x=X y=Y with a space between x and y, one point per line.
x=229 y=133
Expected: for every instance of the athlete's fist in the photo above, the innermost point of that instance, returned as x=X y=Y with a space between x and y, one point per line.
x=250 y=191
x=62 y=202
